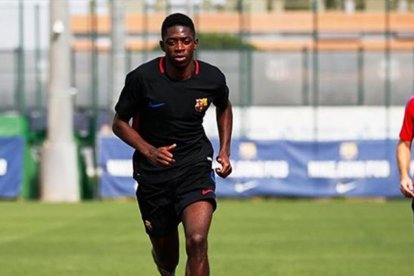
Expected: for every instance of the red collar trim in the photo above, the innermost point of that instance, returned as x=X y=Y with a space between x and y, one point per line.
x=197 y=67
x=161 y=65
x=162 y=70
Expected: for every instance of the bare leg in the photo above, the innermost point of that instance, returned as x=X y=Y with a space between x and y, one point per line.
x=196 y=220
x=165 y=251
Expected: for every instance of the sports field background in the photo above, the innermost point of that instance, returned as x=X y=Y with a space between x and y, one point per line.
x=247 y=238
x=254 y=237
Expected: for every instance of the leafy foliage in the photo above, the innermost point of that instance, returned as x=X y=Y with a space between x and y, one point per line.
x=222 y=41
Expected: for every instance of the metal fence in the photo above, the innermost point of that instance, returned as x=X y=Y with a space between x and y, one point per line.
x=273 y=77
x=278 y=77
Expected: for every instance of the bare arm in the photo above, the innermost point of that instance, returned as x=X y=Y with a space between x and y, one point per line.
x=403 y=161
x=161 y=156
x=224 y=119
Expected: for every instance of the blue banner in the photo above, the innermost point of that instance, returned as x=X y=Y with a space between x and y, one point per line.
x=11 y=166
x=365 y=168
x=312 y=169
x=115 y=166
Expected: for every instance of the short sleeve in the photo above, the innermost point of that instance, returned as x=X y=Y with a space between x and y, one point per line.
x=222 y=97
x=129 y=99
x=407 y=129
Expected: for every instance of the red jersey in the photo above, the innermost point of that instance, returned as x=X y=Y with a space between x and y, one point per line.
x=407 y=129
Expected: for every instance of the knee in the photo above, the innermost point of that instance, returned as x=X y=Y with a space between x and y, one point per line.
x=169 y=262
x=166 y=260
x=196 y=242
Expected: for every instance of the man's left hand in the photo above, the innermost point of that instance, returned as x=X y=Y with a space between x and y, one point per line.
x=226 y=168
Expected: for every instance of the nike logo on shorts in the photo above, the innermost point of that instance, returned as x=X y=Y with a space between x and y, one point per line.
x=206 y=191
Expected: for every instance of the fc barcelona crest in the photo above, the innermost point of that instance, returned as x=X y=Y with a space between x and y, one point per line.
x=201 y=104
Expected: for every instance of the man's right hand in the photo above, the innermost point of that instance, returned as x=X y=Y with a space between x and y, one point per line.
x=406 y=187
x=162 y=156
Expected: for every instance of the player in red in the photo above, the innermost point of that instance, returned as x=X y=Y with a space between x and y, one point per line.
x=167 y=98
x=404 y=150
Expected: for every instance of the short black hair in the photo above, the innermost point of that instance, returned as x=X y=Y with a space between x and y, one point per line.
x=177 y=19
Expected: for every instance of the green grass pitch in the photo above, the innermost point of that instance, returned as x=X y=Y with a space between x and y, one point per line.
x=248 y=238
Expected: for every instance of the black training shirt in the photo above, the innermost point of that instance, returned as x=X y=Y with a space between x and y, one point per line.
x=167 y=111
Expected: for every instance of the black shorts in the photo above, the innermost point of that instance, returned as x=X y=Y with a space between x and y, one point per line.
x=161 y=204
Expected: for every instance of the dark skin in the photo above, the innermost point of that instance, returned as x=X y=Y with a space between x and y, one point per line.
x=179 y=45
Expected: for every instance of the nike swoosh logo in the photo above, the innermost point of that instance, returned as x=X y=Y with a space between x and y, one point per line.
x=155 y=105
x=342 y=188
x=243 y=187
x=206 y=191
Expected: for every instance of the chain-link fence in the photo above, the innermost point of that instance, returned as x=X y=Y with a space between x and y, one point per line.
x=297 y=58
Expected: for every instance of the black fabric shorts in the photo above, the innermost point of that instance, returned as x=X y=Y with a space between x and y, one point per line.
x=161 y=204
